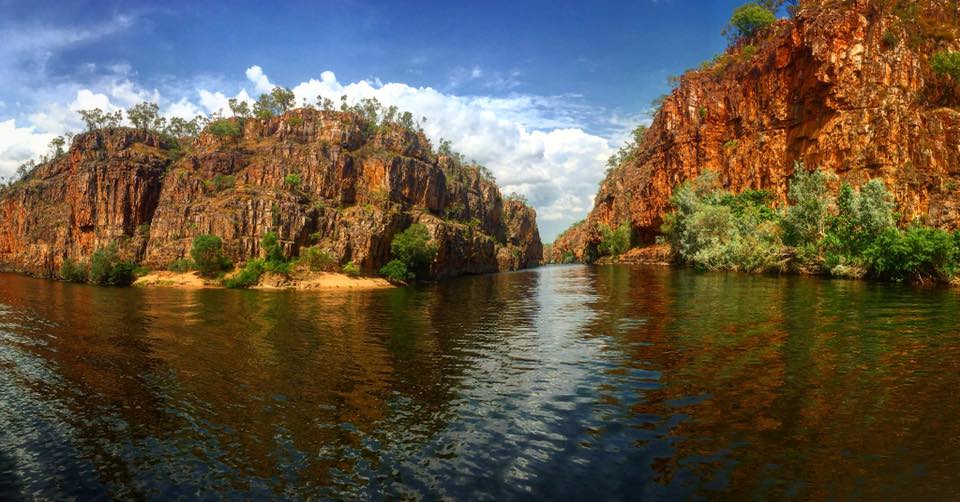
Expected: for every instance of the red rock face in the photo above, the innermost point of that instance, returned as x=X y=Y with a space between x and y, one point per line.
x=353 y=190
x=845 y=86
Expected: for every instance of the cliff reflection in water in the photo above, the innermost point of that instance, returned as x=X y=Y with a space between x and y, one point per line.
x=562 y=382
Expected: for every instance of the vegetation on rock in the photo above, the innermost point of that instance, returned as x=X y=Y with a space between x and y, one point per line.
x=851 y=234
x=412 y=252
x=207 y=254
x=748 y=20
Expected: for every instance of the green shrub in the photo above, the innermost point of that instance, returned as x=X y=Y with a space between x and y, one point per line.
x=351 y=269
x=225 y=128
x=73 y=271
x=180 y=266
x=748 y=20
x=248 y=276
x=272 y=251
x=414 y=249
x=292 y=179
x=106 y=268
x=811 y=203
x=207 y=254
x=947 y=64
x=319 y=260
x=396 y=271
x=615 y=242
x=917 y=253
x=141 y=271
x=851 y=235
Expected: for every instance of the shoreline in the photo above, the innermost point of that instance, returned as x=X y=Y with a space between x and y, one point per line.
x=298 y=281
x=662 y=256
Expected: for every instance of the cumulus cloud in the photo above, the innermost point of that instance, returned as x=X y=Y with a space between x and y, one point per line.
x=20 y=144
x=535 y=145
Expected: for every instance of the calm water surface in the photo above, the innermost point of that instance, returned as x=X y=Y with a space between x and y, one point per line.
x=597 y=383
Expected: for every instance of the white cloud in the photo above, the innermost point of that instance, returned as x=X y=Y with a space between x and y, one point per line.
x=260 y=81
x=20 y=144
x=535 y=145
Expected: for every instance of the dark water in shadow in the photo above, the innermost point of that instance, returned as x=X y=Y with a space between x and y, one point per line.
x=560 y=383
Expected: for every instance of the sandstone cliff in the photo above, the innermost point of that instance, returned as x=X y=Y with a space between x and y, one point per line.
x=845 y=85
x=316 y=178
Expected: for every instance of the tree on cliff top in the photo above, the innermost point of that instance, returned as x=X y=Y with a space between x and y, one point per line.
x=96 y=119
x=146 y=116
x=279 y=100
x=748 y=20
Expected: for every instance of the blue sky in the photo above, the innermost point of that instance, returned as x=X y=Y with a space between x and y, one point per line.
x=540 y=91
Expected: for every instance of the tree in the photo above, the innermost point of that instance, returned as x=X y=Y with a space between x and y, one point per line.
x=25 y=169
x=56 y=146
x=414 y=249
x=225 y=128
x=946 y=64
x=107 y=269
x=615 y=241
x=272 y=251
x=325 y=104
x=182 y=128
x=239 y=108
x=263 y=107
x=406 y=120
x=748 y=20
x=283 y=99
x=207 y=254
x=94 y=119
x=146 y=116
x=774 y=5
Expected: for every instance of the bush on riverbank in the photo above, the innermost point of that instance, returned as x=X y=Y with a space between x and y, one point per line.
x=207 y=254
x=852 y=234
x=412 y=252
x=107 y=269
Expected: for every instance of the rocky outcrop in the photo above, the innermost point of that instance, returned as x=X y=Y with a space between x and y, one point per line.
x=845 y=86
x=316 y=178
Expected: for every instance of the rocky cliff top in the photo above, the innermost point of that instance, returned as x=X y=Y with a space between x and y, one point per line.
x=845 y=86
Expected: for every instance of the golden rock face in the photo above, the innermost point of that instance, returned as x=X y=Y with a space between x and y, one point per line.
x=843 y=86
x=314 y=178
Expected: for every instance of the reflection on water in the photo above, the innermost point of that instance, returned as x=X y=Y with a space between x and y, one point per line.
x=564 y=382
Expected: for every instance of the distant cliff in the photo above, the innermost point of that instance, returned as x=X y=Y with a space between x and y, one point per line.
x=316 y=178
x=846 y=86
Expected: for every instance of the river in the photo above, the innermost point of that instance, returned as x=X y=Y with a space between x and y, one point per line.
x=564 y=382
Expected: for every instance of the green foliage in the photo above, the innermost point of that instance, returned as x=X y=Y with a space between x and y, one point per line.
x=851 y=235
x=146 y=116
x=396 y=271
x=96 y=119
x=106 y=268
x=414 y=249
x=518 y=197
x=319 y=260
x=731 y=144
x=277 y=102
x=917 y=253
x=615 y=241
x=811 y=203
x=717 y=230
x=351 y=269
x=272 y=251
x=225 y=128
x=207 y=254
x=220 y=182
x=946 y=63
x=248 y=276
x=180 y=266
x=292 y=179
x=73 y=271
x=748 y=20
x=630 y=150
